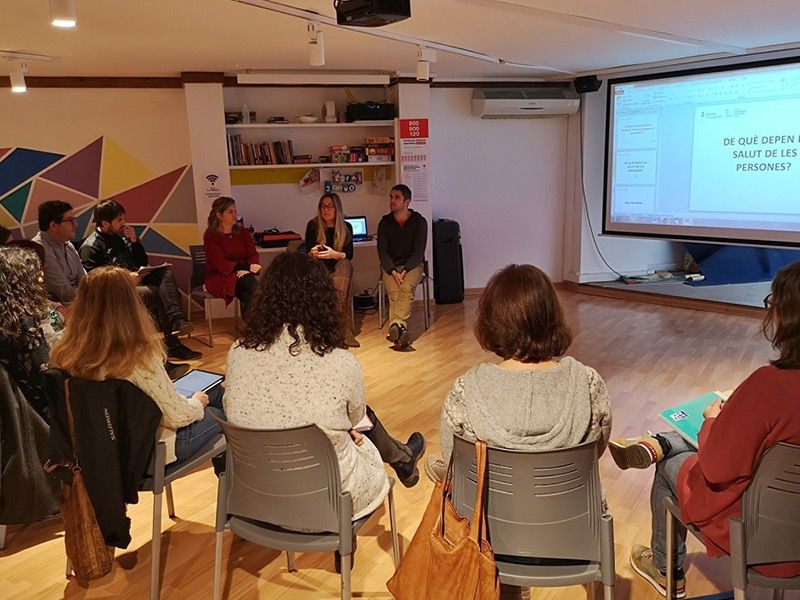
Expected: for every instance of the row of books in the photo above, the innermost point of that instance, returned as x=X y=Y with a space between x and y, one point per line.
x=241 y=153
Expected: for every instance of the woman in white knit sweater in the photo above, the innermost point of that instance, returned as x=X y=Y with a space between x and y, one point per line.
x=531 y=400
x=110 y=335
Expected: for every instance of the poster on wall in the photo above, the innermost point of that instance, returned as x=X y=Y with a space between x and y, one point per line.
x=414 y=159
x=212 y=192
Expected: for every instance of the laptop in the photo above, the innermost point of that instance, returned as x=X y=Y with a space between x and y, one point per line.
x=359 y=225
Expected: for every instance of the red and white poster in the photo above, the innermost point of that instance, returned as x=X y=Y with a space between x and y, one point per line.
x=414 y=158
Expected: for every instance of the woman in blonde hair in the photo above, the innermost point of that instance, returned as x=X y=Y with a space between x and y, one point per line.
x=111 y=335
x=329 y=238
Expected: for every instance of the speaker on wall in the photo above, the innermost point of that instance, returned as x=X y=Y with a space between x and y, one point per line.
x=589 y=83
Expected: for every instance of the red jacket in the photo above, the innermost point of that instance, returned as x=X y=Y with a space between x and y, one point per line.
x=762 y=411
x=223 y=253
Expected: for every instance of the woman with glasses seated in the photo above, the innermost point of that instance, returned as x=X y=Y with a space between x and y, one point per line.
x=708 y=482
x=329 y=238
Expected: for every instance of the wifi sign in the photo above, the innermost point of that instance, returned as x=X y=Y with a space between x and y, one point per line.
x=212 y=179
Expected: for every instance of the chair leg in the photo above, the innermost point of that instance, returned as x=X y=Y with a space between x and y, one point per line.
x=591 y=590
x=393 y=527
x=290 y=562
x=210 y=326
x=155 y=548
x=381 y=290
x=170 y=502
x=217 y=564
x=608 y=592
x=426 y=300
x=69 y=569
x=2 y=537
x=346 y=562
x=670 y=534
x=236 y=314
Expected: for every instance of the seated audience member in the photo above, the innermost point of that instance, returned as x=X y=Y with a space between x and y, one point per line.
x=23 y=305
x=5 y=236
x=531 y=400
x=231 y=255
x=329 y=238
x=291 y=368
x=110 y=335
x=63 y=268
x=708 y=483
x=402 y=236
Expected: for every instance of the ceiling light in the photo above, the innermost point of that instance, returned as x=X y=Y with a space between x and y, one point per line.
x=17 y=76
x=316 y=45
x=62 y=13
x=425 y=56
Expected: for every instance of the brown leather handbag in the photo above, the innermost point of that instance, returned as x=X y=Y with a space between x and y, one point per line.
x=449 y=559
x=87 y=551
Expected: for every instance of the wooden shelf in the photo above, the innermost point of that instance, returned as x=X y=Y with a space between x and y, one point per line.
x=313 y=165
x=388 y=123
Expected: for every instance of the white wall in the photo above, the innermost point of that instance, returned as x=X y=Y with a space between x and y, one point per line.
x=503 y=181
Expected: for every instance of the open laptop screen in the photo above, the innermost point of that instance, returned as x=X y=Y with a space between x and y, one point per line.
x=359 y=225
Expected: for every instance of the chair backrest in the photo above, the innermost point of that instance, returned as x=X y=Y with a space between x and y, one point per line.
x=198 y=254
x=771 y=507
x=544 y=504
x=286 y=477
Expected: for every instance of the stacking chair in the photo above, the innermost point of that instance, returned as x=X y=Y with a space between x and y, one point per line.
x=2 y=537
x=197 y=288
x=545 y=519
x=288 y=478
x=425 y=282
x=768 y=530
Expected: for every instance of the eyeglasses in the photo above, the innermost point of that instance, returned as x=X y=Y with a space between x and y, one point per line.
x=70 y=220
x=327 y=207
x=768 y=301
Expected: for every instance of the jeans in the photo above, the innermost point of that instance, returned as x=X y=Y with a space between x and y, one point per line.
x=192 y=437
x=665 y=486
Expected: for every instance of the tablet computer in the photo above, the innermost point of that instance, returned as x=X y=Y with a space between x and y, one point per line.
x=197 y=380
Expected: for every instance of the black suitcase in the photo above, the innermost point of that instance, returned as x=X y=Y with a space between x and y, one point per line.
x=448 y=262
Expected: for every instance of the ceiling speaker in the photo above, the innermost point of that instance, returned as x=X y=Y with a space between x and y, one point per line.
x=589 y=83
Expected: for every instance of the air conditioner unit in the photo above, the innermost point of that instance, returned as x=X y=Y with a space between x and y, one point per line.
x=525 y=103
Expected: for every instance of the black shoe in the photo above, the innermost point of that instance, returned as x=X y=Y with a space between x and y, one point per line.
x=175 y=370
x=182 y=352
x=402 y=340
x=394 y=332
x=182 y=327
x=407 y=472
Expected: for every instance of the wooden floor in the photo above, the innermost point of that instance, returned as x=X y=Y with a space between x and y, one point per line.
x=650 y=356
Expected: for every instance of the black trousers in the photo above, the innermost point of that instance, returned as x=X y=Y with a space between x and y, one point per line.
x=245 y=288
x=392 y=451
x=159 y=291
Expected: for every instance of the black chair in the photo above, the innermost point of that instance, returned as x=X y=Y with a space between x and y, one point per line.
x=197 y=287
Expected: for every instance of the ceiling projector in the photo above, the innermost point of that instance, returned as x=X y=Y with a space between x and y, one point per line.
x=371 y=13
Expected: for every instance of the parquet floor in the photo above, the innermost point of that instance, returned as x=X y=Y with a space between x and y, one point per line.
x=650 y=356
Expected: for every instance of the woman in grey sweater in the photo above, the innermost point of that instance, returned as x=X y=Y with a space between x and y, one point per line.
x=531 y=400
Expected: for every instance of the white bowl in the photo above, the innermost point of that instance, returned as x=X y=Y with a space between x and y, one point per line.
x=307 y=119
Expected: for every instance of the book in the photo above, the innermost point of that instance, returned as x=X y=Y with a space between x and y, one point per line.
x=687 y=418
x=379 y=140
x=377 y=158
x=364 y=424
x=152 y=268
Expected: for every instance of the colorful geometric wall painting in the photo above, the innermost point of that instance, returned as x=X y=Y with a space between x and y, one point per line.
x=180 y=208
x=21 y=165
x=85 y=223
x=142 y=202
x=28 y=231
x=81 y=171
x=3 y=152
x=182 y=236
x=120 y=170
x=44 y=191
x=16 y=201
x=155 y=243
x=6 y=220
x=139 y=229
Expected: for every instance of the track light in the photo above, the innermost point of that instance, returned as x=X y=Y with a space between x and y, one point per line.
x=17 y=76
x=62 y=13
x=425 y=56
x=316 y=45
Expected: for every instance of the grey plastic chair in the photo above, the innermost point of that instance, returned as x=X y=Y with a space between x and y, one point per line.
x=278 y=480
x=425 y=282
x=545 y=519
x=2 y=537
x=768 y=530
x=197 y=288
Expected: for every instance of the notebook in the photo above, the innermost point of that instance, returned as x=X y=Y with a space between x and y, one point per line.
x=197 y=380
x=359 y=225
x=687 y=418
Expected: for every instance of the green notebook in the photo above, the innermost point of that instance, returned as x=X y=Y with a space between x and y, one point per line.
x=687 y=418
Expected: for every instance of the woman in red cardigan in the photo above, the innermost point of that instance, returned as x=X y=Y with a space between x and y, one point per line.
x=232 y=259
x=709 y=482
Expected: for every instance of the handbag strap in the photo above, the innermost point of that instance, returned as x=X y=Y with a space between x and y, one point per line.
x=477 y=528
x=50 y=466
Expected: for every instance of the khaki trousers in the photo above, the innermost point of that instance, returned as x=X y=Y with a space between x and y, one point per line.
x=402 y=296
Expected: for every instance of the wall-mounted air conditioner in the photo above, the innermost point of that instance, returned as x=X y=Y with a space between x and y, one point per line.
x=524 y=103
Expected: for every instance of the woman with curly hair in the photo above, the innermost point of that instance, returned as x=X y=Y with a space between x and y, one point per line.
x=111 y=335
x=329 y=238
x=23 y=306
x=291 y=368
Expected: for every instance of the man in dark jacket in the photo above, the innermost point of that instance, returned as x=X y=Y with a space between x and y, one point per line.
x=402 y=237
x=114 y=242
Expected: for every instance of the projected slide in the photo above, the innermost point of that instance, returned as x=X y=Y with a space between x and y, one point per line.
x=706 y=155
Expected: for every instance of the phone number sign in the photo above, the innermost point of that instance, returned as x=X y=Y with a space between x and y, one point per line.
x=413 y=128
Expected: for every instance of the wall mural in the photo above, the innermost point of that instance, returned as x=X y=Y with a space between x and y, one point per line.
x=161 y=207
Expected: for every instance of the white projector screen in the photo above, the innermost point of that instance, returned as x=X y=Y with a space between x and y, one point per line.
x=705 y=155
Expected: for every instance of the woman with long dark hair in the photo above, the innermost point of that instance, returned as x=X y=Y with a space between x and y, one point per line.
x=329 y=238
x=291 y=368
x=231 y=256
x=708 y=482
